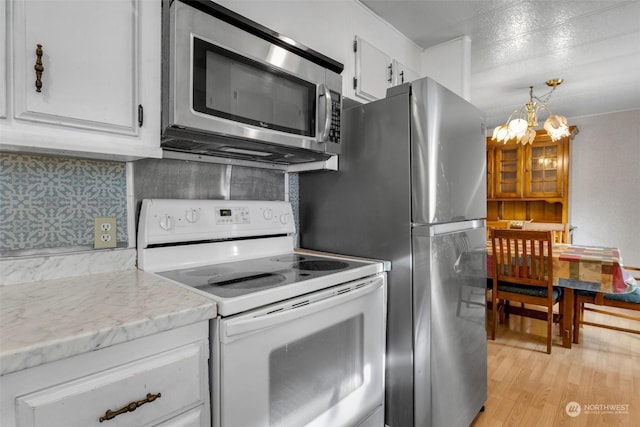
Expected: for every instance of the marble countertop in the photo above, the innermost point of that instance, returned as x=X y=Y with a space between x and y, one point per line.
x=50 y=320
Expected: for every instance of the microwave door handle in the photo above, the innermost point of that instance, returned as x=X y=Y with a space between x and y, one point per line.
x=326 y=94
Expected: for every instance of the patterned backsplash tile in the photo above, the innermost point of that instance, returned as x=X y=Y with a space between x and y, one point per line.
x=48 y=202
x=294 y=199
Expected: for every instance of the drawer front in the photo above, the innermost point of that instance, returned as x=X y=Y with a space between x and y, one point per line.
x=179 y=377
x=193 y=418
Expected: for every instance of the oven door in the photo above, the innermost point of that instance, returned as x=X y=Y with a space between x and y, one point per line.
x=316 y=360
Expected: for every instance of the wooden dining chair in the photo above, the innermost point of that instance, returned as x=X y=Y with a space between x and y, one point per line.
x=523 y=272
x=585 y=300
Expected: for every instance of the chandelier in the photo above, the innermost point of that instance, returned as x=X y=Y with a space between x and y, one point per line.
x=521 y=128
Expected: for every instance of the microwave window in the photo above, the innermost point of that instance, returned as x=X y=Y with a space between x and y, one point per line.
x=237 y=88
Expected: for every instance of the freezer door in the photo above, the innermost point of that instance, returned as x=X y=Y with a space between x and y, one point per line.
x=448 y=156
x=449 y=285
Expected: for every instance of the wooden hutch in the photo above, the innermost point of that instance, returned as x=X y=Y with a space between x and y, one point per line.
x=529 y=183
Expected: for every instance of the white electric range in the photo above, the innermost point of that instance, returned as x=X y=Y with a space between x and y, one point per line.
x=300 y=336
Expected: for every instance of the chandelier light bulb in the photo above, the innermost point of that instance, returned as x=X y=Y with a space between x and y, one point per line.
x=518 y=127
x=501 y=133
x=556 y=126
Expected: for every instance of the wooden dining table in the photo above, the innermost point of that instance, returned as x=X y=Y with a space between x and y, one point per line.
x=591 y=268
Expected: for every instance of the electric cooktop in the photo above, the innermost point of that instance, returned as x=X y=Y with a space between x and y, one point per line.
x=237 y=278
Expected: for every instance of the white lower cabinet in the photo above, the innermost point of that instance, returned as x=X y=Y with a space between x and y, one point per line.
x=160 y=380
x=193 y=418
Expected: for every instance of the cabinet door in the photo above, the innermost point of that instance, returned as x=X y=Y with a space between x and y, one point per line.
x=78 y=390
x=373 y=71
x=100 y=88
x=490 y=171
x=402 y=73
x=89 y=59
x=3 y=60
x=544 y=166
x=193 y=418
x=508 y=171
x=156 y=387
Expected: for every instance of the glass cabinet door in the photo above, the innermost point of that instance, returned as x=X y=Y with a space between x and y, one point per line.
x=544 y=170
x=490 y=175
x=508 y=174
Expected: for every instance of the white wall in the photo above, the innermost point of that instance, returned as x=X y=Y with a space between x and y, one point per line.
x=605 y=182
x=449 y=64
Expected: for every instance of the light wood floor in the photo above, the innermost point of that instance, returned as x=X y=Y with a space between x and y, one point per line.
x=527 y=387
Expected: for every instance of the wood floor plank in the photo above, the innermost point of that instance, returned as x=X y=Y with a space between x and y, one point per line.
x=527 y=387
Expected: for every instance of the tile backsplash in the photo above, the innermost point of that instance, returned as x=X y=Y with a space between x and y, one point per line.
x=50 y=202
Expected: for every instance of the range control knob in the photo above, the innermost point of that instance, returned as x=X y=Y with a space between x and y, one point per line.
x=284 y=219
x=192 y=215
x=267 y=214
x=166 y=222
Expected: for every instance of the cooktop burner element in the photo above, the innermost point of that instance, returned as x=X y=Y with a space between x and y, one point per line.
x=321 y=265
x=290 y=258
x=247 y=280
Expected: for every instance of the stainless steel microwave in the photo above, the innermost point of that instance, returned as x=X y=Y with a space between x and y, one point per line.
x=235 y=89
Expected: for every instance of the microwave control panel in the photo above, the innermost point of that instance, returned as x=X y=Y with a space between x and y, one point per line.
x=334 y=130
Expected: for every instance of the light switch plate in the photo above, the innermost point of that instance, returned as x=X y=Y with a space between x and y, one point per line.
x=104 y=232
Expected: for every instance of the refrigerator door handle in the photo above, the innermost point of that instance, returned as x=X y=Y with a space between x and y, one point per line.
x=448 y=227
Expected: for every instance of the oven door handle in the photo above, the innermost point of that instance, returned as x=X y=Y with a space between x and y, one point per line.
x=299 y=308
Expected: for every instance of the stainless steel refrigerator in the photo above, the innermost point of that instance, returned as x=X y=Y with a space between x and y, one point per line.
x=411 y=188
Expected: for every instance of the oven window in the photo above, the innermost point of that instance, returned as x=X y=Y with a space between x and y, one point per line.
x=234 y=87
x=312 y=374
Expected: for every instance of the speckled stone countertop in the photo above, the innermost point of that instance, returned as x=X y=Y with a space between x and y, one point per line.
x=49 y=320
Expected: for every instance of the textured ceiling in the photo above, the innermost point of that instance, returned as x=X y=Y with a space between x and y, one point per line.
x=593 y=45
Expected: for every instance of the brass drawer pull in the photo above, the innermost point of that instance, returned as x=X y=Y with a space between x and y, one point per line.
x=130 y=407
x=39 y=68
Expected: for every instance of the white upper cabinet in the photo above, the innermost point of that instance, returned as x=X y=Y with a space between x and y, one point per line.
x=374 y=71
x=3 y=61
x=99 y=91
x=402 y=73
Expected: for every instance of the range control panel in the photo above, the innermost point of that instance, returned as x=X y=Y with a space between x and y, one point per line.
x=185 y=220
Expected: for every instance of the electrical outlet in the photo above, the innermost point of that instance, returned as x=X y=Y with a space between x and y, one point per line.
x=104 y=232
